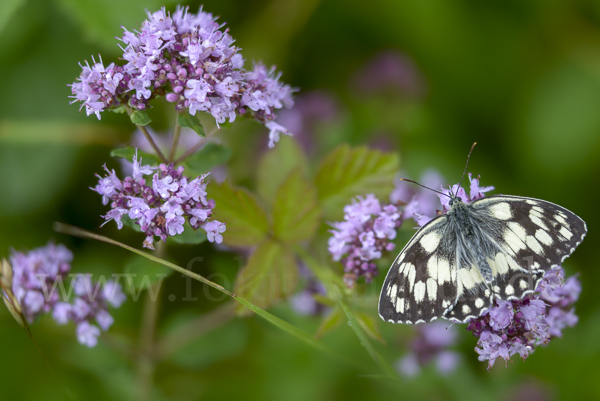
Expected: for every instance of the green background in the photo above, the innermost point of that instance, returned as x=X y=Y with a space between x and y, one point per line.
x=520 y=77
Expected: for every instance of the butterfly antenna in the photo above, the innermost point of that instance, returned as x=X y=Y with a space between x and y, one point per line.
x=467 y=165
x=414 y=182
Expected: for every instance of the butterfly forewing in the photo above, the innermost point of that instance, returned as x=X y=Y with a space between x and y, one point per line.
x=536 y=234
x=422 y=282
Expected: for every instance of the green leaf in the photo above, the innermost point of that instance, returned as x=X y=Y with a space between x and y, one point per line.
x=128 y=222
x=189 y=236
x=211 y=155
x=187 y=120
x=128 y=152
x=140 y=117
x=247 y=223
x=119 y=110
x=347 y=172
x=330 y=322
x=270 y=275
x=277 y=164
x=296 y=212
x=142 y=273
x=370 y=326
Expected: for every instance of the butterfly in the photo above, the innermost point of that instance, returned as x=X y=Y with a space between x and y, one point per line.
x=495 y=247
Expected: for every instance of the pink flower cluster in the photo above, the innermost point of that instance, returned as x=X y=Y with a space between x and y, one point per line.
x=187 y=58
x=518 y=326
x=160 y=209
x=365 y=232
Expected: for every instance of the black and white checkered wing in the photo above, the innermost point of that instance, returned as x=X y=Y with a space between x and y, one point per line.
x=421 y=285
x=536 y=234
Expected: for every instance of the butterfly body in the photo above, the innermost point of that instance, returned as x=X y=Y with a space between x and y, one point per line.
x=495 y=247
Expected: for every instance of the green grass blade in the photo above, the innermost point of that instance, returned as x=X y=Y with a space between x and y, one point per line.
x=282 y=324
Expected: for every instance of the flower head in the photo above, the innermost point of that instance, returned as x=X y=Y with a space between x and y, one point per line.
x=160 y=207
x=190 y=60
x=519 y=326
x=365 y=232
x=37 y=278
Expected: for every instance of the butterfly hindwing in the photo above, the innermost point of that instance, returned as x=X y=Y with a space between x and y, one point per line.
x=421 y=285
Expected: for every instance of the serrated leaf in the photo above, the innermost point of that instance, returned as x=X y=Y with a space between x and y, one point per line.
x=211 y=155
x=296 y=211
x=270 y=275
x=247 y=223
x=189 y=236
x=370 y=326
x=128 y=152
x=141 y=273
x=347 y=172
x=187 y=120
x=140 y=117
x=330 y=322
x=276 y=164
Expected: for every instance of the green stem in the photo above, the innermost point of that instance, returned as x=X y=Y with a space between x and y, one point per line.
x=197 y=146
x=280 y=323
x=148 y=137
x=146 y=362
x=176 y=132
x=333 y=289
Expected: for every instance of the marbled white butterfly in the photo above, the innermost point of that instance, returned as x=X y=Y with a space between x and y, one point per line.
x=497 y=246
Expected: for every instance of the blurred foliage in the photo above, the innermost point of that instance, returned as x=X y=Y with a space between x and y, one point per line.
x=522 y=78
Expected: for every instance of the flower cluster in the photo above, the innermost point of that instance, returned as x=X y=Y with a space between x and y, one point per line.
x=365 y=232
x=38 y=274
x=90 y=304
x=475 y=192
x=430 y=345
x=419 y=203
x=160 y=209
x=187 y=58
x=518 y=326
x=35 y=273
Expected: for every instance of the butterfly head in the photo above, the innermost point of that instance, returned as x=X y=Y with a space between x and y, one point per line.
x=454 y=199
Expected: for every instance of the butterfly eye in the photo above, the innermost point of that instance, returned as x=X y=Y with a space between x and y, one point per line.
x=451 y=202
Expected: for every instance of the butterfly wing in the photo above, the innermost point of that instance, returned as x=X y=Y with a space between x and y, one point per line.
x=421 y=285
x=527 y=237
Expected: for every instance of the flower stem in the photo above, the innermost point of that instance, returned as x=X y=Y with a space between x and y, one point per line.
x=176 y=132
x=148 y=137
x=146 y=361
x=197 y=146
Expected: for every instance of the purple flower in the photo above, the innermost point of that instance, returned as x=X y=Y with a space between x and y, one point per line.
x=430 y=345
x=39 y=274
x=36 y=275
x=87 y=334
x=190 y=60
x=162 y=208
x=519 y=326
x=475 y=192
x=419 y=203
x=365 y=232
